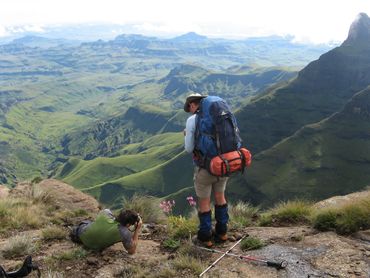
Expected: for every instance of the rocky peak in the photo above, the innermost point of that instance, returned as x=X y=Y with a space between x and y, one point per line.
x=359 y=32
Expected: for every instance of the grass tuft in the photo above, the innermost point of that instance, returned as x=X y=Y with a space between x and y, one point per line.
x=345 y=220
x=182 y=227
x=171 y=243
x=53 y=232
x=18 y=246
x=242 y=214
x=251 y=243
x=20 y=214
x=147 y=206
x=183 y=262
x=290 y=212
x=40 y=195
x=74 y=254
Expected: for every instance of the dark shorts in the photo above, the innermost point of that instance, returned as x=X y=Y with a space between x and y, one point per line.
x=78 y=230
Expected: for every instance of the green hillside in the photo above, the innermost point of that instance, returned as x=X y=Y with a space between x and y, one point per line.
x=88 y=100
x=160 y=180
x=328 y=158
x=321 y=88
x=134 y=159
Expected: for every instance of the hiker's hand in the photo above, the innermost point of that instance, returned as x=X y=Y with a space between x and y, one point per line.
x=139 y=223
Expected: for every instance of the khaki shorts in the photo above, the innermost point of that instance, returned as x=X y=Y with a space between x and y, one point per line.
x=204 y=183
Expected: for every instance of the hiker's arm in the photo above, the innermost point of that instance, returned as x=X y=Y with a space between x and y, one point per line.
x=135 y=238
x=189 y=134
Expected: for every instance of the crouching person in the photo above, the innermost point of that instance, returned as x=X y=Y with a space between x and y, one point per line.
x=107 y=230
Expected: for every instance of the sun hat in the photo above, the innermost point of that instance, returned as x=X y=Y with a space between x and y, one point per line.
x=190 y=99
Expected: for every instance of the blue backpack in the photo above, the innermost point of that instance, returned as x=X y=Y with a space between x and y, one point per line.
x=216 y=130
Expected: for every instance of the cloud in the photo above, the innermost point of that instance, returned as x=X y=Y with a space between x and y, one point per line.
x=3 y=32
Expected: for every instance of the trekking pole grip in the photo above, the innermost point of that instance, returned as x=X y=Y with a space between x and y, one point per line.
x=277 y=265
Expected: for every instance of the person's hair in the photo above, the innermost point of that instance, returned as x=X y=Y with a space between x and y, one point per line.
x=127 y=217
x=196 y=101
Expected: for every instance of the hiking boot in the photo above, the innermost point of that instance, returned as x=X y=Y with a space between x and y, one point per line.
x=220 y=238
x=198 y=242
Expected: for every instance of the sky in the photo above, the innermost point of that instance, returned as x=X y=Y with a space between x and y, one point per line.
x=315 y=21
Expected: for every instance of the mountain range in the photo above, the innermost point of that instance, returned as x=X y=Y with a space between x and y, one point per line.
x=106 y=117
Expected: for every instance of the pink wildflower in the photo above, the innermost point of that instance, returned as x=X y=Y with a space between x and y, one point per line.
x=167 y=206
x=191 y=201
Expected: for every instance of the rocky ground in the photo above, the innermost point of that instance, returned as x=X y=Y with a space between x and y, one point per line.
x=309 y=253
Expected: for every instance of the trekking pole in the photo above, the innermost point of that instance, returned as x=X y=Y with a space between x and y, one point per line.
x=277 y=265
x=224 y=254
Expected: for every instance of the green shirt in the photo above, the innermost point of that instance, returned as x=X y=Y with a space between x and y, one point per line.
x=104 y=232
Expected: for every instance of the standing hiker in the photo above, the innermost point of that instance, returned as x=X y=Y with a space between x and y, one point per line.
x=107 y=230
x=205 y=142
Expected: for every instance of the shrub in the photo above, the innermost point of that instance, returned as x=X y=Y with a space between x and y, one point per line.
x=147 y=206
x=181 y=227
x=251 y=243
x=53 y=232
x=18 y=246
x=242 y=214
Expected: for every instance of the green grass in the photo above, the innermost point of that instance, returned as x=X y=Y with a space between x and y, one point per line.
x=143 y=156
x=171 y=244
x=251 y=243
x=191 y=264
x=163 y=179
x=147 y=207
x=242 y=214
x=344 y=220
x=20 y=214
x=74 y=254
x=18 y=246
x=53 y=232
x=180 y=227
x=288 y=213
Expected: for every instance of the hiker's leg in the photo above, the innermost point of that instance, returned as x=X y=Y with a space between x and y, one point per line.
x=221 y=209
x=220 y=198
x=203 y=188
x=204 y=204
